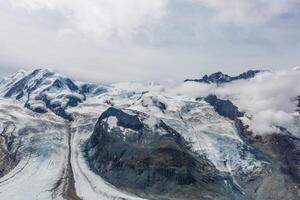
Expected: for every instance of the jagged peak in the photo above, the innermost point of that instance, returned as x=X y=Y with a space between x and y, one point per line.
x=220 y=78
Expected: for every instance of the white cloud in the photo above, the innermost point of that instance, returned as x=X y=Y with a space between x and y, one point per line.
x=269 y=98
x=118 y=40
x=245 y=12
x=101 y=18
x=194 y=89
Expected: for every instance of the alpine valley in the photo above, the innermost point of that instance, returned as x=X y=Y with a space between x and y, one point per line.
x=66 y=139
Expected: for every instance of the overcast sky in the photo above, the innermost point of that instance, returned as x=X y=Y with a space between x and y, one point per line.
x=143 y=40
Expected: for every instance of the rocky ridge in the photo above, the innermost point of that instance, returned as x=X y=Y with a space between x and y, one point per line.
x=220 y=78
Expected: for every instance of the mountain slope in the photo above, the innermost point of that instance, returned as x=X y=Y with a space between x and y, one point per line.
x=153 y=160
x=119 y=151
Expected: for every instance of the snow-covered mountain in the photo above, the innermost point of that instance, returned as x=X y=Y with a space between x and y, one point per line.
x=43 y=91
x=138 y=141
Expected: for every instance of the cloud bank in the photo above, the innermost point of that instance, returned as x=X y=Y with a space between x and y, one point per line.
x=269 y=98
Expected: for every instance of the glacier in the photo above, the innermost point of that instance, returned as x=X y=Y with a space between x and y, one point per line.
x=50 y=118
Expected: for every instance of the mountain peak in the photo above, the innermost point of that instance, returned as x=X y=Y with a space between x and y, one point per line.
x=42 y=90
x=220 y=78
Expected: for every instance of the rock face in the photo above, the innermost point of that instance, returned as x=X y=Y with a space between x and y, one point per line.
x=220 y=78
x=224 y=107
x=8 y=153
x=153 y=161
x=281 y=149
x=287 y=148
x=43 y=90
x=283 y=152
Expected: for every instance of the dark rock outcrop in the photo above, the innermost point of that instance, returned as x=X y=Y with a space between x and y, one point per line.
x=224 y=108
x=220 y=78
x=125 y=120
x=56 y=107
x=153 y=162
x=9 y=155
x=287 y=149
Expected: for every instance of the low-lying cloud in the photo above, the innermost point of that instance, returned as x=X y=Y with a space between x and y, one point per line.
x=268 y=99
